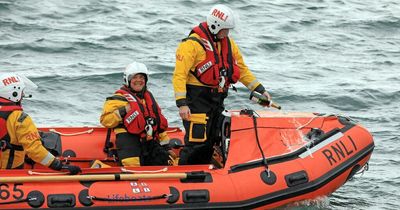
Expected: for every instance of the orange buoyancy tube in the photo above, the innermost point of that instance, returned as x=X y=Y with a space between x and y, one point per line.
x=141 y=114
x=216 y=65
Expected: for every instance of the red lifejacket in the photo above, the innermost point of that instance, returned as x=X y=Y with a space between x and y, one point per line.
x=6 y=108
x=216 y=65
x=139 y=116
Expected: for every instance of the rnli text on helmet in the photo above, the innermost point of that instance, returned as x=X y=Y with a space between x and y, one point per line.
x=10 y=80
x=219 y=14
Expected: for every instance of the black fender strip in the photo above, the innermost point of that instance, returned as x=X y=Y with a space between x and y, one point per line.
x=287 y=157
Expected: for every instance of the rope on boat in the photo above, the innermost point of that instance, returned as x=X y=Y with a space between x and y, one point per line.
x=71 y=134
x=324 y=115
x=264 y=160
x=307 y=123
x=313 y=118
x=172 y=131
x=30 y=172
x=154 y=171
x=147 y=198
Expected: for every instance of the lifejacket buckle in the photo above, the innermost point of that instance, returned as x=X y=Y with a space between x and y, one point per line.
x=149 y=132
x=221 y=83
x=150 y=121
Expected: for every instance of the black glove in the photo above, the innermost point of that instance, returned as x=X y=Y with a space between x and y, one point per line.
x=58 y=166
x=72 y=169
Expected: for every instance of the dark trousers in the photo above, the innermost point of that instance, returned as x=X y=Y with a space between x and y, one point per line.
x=149 y=152
x=202 y=100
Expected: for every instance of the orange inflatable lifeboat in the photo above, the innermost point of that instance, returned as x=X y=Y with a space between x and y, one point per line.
x=264 y=160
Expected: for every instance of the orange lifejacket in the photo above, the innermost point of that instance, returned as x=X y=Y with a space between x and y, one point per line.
x=216 y=66
x=6 y=108
x=139 y=115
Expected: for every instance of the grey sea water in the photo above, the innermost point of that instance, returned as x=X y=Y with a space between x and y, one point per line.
x=327 y=56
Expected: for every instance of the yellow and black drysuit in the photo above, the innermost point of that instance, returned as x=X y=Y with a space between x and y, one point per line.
x=205 y=68
x=135 y=145
x=19 y=137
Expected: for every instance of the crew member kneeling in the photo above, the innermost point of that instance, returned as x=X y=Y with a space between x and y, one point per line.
x=137 y=120
x=18 y=134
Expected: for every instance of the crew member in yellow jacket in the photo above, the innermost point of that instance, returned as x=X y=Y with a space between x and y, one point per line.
x=207 y=63
x=18 y=134
x=137 y=120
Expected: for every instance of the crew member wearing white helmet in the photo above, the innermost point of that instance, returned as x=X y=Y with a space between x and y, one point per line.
x=137 y=120
x=207 y=63
x=18 y=134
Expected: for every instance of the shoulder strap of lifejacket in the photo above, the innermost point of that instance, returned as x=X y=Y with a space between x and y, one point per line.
x=116 y=97
x=229 y=59
x=125 y=91
x=209 y=38
x=108 y=144
x=155 y=108
x=195 y=39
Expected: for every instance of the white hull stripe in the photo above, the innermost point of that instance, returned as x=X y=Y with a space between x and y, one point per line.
x=322 y=144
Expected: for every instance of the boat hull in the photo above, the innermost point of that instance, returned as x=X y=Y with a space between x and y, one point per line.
x=290 y=168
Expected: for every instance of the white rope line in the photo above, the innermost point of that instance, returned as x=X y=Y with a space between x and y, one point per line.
x=172 y=131
x=313 y=118
x=30 y=172
x=71 y=134
x=304 y=125
x=155 y=171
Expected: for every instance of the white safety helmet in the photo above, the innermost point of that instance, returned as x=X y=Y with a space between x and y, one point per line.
x=220 y=17
x=12 y=86
x=132 y=69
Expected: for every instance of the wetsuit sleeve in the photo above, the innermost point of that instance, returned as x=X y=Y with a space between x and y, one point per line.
x=246 y=76
x=185 y=60
x=28 y=136
x=113 y=111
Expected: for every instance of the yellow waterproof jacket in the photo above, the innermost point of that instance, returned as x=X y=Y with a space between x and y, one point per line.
x=23 y=132
x=190 y=53
x=111 y=118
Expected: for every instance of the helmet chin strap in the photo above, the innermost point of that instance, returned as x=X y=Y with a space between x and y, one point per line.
x=213 y=36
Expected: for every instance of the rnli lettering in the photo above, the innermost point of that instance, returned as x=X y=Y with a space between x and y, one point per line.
x=32 y=136
x=219 y=14
x=10 y=80
x=339 y=151
x=206 y=66
x=131 y=117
